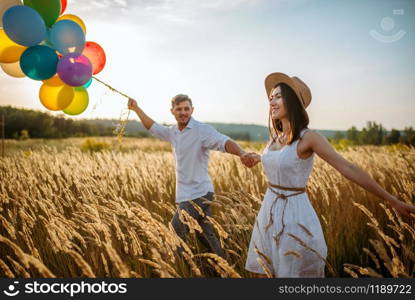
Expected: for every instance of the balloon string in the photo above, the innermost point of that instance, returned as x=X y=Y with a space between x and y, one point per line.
x=120 y=130
x=111 y=88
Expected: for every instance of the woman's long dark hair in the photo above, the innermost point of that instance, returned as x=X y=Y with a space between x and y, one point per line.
x=297 y=115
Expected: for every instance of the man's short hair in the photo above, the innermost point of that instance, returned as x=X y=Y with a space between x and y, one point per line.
x=179 y=99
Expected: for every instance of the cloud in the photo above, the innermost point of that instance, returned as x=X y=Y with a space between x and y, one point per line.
x=101 y=4
x=122 y=3
x=147 y=11
x=224 y=4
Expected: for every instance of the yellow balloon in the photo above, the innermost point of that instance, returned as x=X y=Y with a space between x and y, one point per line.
x=13 y=69
x=54 y=94
x=79 y=103
x=74 y=18
x=9 y=51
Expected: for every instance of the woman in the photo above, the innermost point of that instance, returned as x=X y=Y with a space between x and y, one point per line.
x=286 y=218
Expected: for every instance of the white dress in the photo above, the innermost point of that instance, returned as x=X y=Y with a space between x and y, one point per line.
x=285 y=256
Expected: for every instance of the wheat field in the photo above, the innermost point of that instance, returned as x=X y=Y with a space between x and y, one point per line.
x=100 y=208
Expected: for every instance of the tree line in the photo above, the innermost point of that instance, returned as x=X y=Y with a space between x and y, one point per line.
x=26 y=123
x=375 y=134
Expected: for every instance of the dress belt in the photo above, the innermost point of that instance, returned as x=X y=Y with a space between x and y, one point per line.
x=283 y=197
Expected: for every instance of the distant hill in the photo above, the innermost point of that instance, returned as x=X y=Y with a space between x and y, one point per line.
x=28 y=123
x=250 y=132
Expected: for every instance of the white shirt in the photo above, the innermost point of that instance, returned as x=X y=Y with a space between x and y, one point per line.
x=191 y=150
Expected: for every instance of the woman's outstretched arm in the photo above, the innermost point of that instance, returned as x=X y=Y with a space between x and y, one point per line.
x=319 y=144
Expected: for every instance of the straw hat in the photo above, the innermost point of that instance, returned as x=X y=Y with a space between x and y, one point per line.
x=299 y=87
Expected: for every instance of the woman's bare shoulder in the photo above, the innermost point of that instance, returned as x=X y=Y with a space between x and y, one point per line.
x=311 y=138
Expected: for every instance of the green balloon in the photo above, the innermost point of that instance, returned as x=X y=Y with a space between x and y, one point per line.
x=79 y=102
x=48 y=9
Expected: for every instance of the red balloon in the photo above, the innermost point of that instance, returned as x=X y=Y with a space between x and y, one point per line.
x=96 y=56
x=63 y=5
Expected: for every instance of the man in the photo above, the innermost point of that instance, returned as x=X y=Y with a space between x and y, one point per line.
x=191 y=141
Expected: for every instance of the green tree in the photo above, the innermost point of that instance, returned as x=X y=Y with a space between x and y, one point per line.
x=393 y=137
x=372 y=134
x=353 y=135
x=408 y=137
x=362 y=139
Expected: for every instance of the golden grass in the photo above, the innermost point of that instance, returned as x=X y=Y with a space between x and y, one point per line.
x=66 y=212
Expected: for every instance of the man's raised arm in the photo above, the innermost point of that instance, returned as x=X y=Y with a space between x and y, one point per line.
x=157 y=130
x=146 y=120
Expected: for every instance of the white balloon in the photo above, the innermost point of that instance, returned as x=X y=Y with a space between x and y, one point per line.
x=5 y=5
x=13 y=69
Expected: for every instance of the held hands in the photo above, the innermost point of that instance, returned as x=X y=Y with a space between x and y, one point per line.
x=132 y=104
x=403 y=208
x=250 y=159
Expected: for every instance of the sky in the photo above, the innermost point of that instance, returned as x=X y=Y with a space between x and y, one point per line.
x=356 y=56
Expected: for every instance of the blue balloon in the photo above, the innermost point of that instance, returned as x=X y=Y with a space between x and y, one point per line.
x=24 y=25
x=46 y=41
x=88 y=84
x=39 y=62
x=67 y=37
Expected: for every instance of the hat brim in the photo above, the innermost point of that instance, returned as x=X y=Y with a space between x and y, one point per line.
x=274 y=79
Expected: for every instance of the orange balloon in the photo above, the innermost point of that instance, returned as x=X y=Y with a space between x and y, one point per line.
x=73 y=18
x=96 y=56
x=9 y=51
x=55 y=95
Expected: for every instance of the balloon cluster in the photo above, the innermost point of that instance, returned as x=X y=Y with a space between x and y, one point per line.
x=38 y=41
